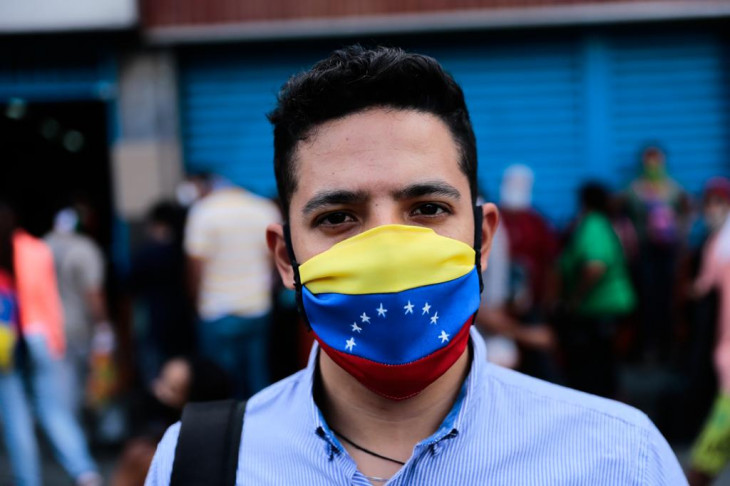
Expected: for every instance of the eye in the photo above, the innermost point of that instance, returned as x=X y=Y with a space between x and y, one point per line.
x=334 y=219
x=430 y=209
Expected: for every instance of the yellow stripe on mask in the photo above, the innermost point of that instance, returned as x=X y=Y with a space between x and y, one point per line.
x=387 y=259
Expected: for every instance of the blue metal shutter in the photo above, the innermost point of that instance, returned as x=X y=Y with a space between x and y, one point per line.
x=672 y=90
x=225 y=99
x=525 y=103
x=571 y=107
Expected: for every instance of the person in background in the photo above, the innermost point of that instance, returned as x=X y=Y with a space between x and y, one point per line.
x=27 y=266
x=194 y=187
x=658 y=206
x=532 y=247
x=163 y=317
x=181 y=380
x=231 y=280
x=596 y=291
x=710 y=453
x=501 y=330
x=79 y=264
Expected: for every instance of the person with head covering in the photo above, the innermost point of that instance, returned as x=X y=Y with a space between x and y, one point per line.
x=658 y=206
x=532 y=248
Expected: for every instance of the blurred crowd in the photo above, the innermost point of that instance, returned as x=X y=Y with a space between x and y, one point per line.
x=639 y=280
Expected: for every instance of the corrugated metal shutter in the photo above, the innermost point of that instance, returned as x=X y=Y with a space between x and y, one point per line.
x=522 y=99
x=525 y=103
x=571 y=107
x=673 y=91
x=225 y=100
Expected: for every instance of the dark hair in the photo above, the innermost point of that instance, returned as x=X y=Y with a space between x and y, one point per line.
x=354 y=79
x=164 y=212
x=651 y=148
x=594 y=196
x=208 y=381
x=7 y=228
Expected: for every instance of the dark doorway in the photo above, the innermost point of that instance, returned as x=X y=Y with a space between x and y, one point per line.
x=56 y=155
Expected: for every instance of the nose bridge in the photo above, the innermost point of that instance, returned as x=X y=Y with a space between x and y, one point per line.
x=384 y=211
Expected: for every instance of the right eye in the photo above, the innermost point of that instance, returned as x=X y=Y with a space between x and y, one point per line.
x=334 y=219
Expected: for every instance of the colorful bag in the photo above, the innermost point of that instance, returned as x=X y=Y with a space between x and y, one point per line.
x=8 y=321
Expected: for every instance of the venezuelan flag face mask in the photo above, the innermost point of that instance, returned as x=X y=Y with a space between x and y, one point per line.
x=392 y=306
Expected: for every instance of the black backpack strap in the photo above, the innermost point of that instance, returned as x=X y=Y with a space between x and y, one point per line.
x=208 y=444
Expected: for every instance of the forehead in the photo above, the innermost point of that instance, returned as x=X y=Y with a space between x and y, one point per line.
x=377 y=149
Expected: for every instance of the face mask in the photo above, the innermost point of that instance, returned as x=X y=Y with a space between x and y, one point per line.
x=392 y=306
x=655 y=171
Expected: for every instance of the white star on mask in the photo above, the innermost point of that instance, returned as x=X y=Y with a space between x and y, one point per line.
x=408 y=307
x=350 y=344
x=426 y=308
x=365 y=318
x=381 y=310
x=444 y=337
x=434 y=318
x=355 y=327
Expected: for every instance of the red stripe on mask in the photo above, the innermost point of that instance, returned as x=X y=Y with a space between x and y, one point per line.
x=398 y=382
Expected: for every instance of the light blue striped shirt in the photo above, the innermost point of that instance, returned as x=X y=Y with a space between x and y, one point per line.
x=504 y=429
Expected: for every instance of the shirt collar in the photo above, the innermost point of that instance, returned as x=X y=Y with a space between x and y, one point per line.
x=457 y=418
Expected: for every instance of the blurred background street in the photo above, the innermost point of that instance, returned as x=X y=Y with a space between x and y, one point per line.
x=137 y=183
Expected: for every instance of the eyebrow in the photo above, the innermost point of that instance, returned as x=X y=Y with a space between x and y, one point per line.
x=431 y=188
x=331 y=198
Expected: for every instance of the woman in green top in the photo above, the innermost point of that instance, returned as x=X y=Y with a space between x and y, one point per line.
x=597 y=291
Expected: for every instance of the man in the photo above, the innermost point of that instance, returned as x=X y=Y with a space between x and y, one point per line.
x=597 y=292
x=231 y=279
x=658 y=207
x=376 y=165
x=79 y=264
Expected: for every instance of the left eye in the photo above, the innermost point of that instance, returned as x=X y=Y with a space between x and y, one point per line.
x=429 y=209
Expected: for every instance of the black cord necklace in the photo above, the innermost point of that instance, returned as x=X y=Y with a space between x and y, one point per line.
x=366 y=451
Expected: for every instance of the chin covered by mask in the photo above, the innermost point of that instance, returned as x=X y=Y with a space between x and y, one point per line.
x=392 y=306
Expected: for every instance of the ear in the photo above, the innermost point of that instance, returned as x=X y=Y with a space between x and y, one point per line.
x=490 y=221
x=277 y=245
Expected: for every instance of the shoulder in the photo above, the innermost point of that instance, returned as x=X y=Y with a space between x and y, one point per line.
x=581 y=432
x=266 y=207
x=84 y=247
x=268 y=413
x=595 y=222
x=529 y=389
x=161 y=468
x=277 y=403
x=31 y=247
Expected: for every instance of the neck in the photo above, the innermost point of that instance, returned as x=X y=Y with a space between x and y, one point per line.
x=391 y=428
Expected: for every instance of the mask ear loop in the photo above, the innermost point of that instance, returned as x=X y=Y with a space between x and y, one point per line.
x=297 y=278
x=478 y=221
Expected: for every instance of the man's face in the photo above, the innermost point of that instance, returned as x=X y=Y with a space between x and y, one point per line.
x=372 y=168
